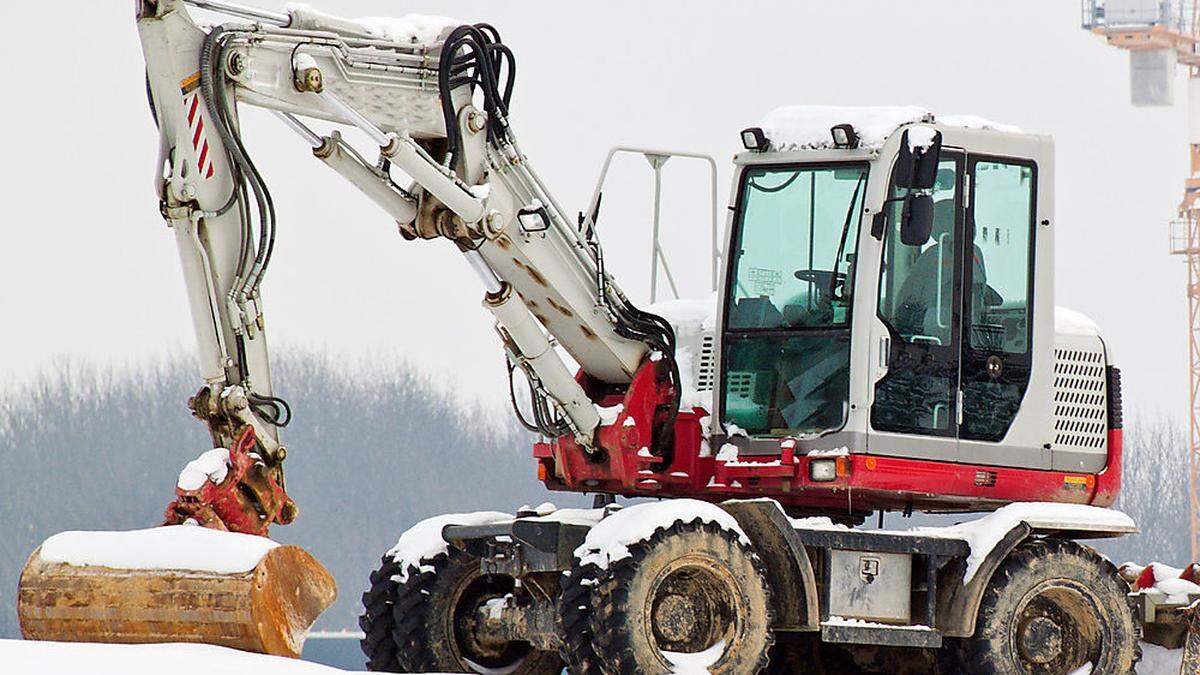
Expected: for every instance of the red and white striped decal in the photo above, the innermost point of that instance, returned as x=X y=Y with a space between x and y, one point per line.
x=195 y=119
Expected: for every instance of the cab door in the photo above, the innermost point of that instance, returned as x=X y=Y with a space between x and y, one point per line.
x=916 y=405
x=997 y=329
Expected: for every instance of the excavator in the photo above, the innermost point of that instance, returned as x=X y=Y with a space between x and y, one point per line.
x=883 y=338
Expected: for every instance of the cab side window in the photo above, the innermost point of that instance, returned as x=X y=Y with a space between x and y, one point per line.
x=998 y=297
x=999 y=312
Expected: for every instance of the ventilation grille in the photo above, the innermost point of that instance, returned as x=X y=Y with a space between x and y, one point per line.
x=740 y=386
x=704 y=366
x=1080 y=407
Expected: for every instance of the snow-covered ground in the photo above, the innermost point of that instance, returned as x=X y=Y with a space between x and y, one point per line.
x=75 y=658
x=19 y=657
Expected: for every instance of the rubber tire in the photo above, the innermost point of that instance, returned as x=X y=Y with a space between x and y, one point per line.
x=1036 y=563
x=623 y=638
x=423 y=615
x=574 y=621
x=376 y=621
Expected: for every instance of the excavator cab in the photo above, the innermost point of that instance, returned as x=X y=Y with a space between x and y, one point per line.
x=889 y=293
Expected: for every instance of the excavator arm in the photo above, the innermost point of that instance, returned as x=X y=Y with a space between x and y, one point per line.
x=434 y=99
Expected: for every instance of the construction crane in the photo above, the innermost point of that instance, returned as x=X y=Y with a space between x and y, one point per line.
x=1160 y=36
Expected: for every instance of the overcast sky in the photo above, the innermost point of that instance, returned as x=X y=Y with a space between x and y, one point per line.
x=87 y=267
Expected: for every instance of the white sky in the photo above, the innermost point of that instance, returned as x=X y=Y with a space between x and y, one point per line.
x=87 y=267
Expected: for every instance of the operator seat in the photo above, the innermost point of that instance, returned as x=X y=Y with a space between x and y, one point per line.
x=920 y=295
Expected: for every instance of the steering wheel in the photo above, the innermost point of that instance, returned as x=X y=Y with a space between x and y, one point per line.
x=827 y=282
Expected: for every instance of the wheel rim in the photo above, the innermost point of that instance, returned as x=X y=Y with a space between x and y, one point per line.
x=693 y=605
x=1058 y=627
x=475 y=647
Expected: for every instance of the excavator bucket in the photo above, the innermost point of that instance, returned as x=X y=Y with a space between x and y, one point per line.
x=267 y=608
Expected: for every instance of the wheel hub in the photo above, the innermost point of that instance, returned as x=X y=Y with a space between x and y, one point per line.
x=692 y=608
x=1040 y=640
x=675 y=618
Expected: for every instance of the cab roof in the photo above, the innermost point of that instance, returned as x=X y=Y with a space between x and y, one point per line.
x=807 y=127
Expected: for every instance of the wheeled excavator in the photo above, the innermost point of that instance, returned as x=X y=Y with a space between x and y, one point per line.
x=884 y=338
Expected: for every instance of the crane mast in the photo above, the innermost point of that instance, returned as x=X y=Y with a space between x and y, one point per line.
x=1158 y=36
x=435 y=104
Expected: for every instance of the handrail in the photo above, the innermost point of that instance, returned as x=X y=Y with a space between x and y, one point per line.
x=657 y=158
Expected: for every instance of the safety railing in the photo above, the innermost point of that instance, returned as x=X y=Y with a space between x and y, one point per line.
x=657 y=158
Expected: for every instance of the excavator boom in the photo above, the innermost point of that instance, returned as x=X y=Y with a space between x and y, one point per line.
x=433 y=97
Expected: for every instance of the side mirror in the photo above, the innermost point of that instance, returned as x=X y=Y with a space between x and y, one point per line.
x=917 y=161
x=916 y=221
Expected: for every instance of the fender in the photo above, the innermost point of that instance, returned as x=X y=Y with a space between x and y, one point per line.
x=790 y=574
x=958 y=603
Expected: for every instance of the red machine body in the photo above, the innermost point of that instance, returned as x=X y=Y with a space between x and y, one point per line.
x=625 y=465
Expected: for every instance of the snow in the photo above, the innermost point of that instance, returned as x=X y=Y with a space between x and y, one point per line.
x=1158 y=660
x=77 y=658
x=976 y=122
x=212 y=465
x=806 y=127
x=173 y=547
x=862 y=623
x=81 y=658
x=1178 y=591
x=699 y=311
x=609 y=540
x=1070 y=322
x=983 y=534
x=609 y=414
x=425 y=29
x=700 y=662
x=696 y=316
x=832 y=452
x=921 y=137
x=572 y=516
x=1085 y=669
x=423 y=541
x=727 y=453
x=734 y=430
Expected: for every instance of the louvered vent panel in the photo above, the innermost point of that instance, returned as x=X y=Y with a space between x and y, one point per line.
x=1080 y=406
x=704 y=366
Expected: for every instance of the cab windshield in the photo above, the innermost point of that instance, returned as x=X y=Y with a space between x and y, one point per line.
x=787 y=330
x=796 y=239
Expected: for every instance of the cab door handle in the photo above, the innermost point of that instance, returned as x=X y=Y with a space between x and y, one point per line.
x=885 y=351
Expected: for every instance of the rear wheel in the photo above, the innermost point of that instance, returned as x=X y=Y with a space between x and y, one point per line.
x=1054 y=606
x=376 y=620
x=436 y=622
x=691 y=597
x=574 y=620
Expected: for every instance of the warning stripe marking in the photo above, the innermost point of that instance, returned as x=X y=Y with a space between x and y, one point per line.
x=195 y=120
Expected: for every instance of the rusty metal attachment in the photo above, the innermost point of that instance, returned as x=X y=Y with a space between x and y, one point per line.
x=249 y=499
x=268 y=609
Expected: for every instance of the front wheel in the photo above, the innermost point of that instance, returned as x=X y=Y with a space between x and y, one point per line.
x=1053 y=607
x=689 y=598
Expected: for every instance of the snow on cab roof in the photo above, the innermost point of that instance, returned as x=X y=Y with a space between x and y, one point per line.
x=806 y=127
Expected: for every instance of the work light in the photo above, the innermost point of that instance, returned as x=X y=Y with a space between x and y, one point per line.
x=754 y=139
x=844 y=136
